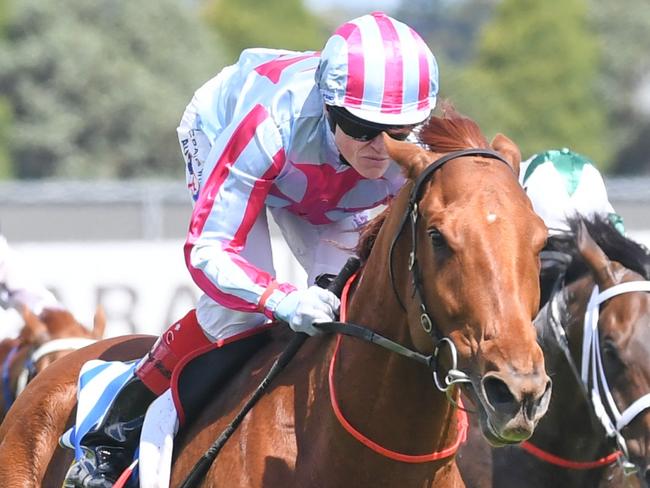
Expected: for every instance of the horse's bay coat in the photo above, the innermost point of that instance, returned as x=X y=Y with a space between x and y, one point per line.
x=479 y=279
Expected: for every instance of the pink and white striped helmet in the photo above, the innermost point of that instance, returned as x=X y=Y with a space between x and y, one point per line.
x=380 y=70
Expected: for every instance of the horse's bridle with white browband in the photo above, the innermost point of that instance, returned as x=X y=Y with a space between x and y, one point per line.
x=592 y=373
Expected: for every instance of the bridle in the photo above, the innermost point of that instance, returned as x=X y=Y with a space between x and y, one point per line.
x=412 y=214
x=345 y=277
x=592 y=374
x=49 y=347
x=28 y=370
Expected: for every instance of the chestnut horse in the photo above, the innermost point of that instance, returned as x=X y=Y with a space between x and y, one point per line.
x=571 y=446
x=452 y=267
x=43 y=339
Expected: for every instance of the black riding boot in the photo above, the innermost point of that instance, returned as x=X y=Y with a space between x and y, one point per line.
x=108 y=449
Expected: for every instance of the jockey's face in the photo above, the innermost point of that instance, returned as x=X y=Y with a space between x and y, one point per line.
x=361 y=142
x=369 y=158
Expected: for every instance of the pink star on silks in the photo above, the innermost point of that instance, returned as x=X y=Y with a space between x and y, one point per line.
x=273 y=69
x=325 y=188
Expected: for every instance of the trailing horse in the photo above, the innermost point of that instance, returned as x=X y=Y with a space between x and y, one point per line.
x=42 y=340
x=595 y=332
x=450 y=272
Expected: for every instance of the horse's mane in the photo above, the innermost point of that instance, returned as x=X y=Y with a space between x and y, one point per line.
x=616 y=246
x=451 y=132
x=368 y=235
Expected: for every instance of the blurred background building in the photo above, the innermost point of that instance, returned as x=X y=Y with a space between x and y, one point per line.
x=91 y=177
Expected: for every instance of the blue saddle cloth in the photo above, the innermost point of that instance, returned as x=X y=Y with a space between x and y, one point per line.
x=98 y=385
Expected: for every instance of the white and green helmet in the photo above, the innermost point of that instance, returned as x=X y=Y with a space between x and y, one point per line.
x=561 y=183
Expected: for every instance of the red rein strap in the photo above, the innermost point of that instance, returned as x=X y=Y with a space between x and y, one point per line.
x=565 y=463
x=394 y=455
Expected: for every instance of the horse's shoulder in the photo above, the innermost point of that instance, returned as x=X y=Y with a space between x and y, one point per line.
x=279 y=339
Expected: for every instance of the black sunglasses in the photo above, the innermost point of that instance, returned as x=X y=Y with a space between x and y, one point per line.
x=362 y=130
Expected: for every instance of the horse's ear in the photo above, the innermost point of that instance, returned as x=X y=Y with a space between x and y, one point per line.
x=595 y=258
x=34 y=329
x=99 y=323
x=508 y=150
x=411 y=157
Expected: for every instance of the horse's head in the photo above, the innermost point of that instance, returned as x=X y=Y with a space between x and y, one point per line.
x=476 y=273
x=56 y=332
x=623 y=344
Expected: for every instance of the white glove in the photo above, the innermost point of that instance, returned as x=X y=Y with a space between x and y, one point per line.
x=301 y=308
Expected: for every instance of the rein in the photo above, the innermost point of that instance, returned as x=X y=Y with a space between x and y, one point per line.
x=202 y=466
x=594 y=390
x=462 y=422
x=566 y=463
x=453 y=375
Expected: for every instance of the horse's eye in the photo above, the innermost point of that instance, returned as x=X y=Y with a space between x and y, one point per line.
x=436 y=236
x=611 y=356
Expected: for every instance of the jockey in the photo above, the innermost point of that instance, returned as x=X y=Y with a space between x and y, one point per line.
x=298 y=134
x=562 y=183
x=19 y=287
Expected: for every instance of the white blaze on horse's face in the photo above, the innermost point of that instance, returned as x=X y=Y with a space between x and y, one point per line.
x=491 y=218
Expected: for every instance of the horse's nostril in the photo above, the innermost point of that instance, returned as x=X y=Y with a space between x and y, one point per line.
x=497 y=392
x=535 y=406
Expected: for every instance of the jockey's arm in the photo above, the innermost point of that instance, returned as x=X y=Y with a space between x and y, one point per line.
x=248 y=156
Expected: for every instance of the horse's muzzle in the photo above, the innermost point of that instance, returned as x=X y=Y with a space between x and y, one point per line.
x=513 y=405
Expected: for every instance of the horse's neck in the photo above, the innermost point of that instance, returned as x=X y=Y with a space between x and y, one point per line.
x=389 y=398
x=378 y=286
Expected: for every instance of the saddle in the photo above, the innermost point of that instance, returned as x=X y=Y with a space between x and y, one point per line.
x=190 y=385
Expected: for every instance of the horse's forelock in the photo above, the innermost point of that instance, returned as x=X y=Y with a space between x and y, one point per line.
x=451 y=132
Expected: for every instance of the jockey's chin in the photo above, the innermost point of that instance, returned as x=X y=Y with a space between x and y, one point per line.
x=369 y=158
x=371 y=167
